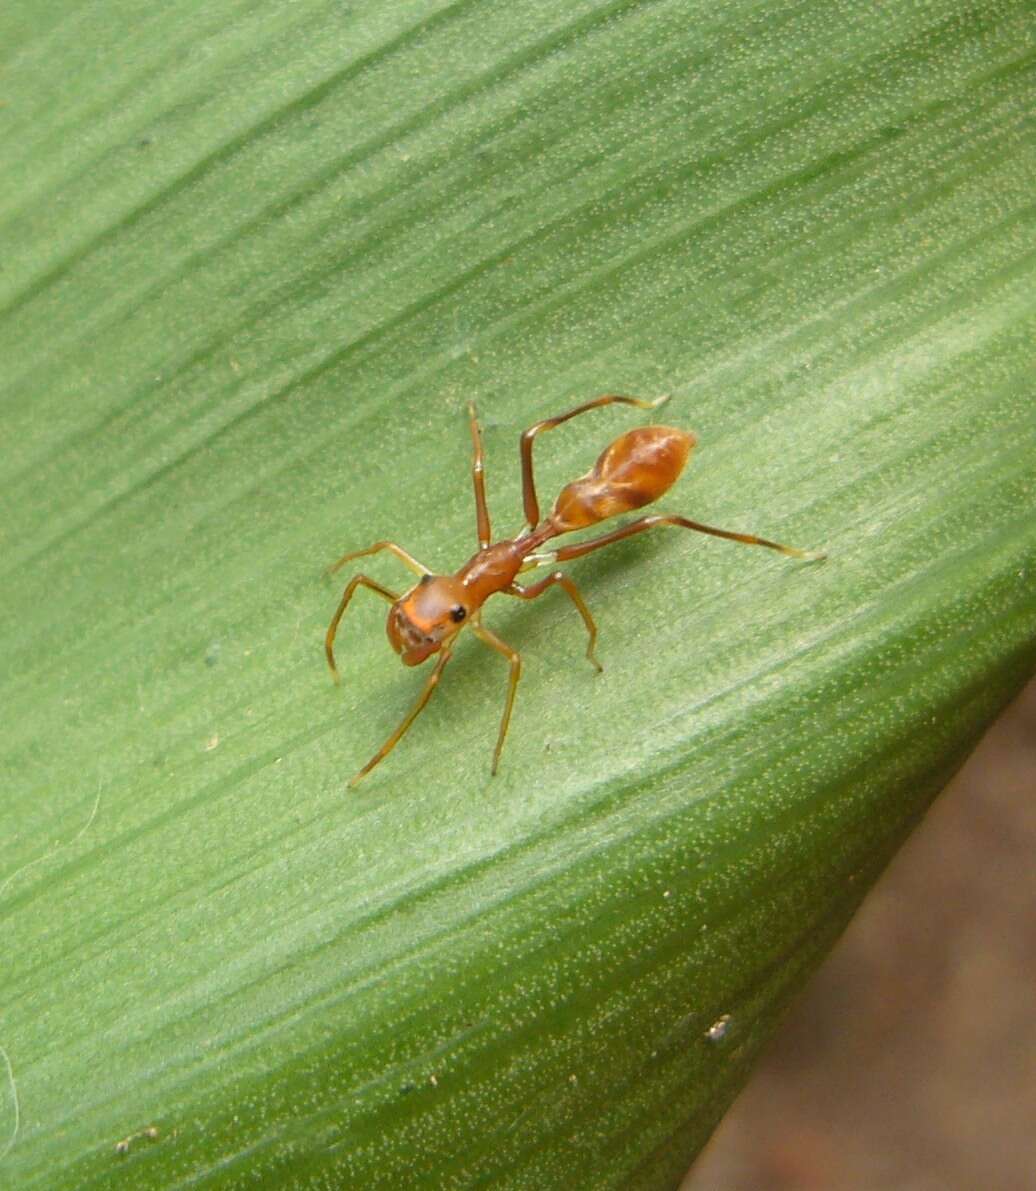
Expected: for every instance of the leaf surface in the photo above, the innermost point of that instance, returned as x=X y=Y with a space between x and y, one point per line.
x=257 y=259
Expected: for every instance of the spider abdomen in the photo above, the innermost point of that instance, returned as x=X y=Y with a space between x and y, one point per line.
x=635 y=470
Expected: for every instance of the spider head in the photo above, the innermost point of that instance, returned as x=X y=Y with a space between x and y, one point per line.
x=428 y=617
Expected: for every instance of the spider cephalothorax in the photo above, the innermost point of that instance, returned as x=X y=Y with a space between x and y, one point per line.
x=429 y=615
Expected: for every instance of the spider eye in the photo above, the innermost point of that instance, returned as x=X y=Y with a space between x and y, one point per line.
x=457 y=613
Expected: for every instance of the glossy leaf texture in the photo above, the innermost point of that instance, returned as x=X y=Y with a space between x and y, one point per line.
x=256 y=260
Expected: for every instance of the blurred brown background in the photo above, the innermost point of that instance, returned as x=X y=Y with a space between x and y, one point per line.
x=909 y=1064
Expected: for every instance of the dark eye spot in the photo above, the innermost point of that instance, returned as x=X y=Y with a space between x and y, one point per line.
x=457 y=613
x=425 y=579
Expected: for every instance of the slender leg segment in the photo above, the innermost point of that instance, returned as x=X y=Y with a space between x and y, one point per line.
x=515 y=658
x=529 y=501
x=405 y=558
x=562 y=580
x=479 y=479
x=426 y=693
x=580 y=548
x=332 y=628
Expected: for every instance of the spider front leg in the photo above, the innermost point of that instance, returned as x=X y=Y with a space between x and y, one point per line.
x=426 y=693
x=362 y=580
x=406 y=559
x=332 y=628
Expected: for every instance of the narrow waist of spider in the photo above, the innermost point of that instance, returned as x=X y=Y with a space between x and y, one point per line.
x=494 y=568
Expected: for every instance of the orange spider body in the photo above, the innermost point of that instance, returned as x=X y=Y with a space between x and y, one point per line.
x=634 y=470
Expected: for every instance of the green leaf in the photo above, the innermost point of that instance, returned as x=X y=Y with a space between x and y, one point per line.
x=256 y=260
